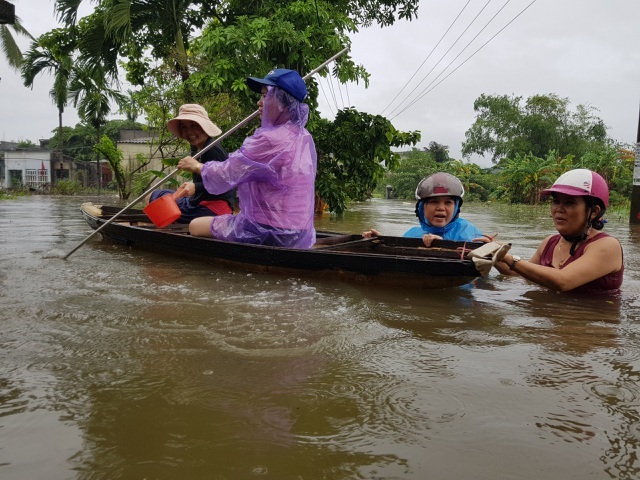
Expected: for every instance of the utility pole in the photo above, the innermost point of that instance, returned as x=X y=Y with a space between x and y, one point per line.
x=634 y=212
x=7 y=12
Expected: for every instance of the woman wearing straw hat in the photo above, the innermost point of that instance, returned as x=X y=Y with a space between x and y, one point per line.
x=193 y=125
x=274 y=170
x=579 y=257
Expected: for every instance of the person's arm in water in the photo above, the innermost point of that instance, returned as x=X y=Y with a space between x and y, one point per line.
x=600 y=258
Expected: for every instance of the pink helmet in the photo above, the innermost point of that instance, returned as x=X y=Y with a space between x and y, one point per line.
x=580 y=182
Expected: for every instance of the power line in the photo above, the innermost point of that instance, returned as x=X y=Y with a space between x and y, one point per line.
x=423 y=93
x=428 y=56
x=346 y=88
x=325 y=96
x=451 y=47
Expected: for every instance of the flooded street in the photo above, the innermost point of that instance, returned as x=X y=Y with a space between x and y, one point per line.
x=122 y=364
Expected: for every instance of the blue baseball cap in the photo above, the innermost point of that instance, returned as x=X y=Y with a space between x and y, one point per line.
x=288 y=80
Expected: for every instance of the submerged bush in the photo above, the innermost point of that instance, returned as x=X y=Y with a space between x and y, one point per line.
x=67 y=187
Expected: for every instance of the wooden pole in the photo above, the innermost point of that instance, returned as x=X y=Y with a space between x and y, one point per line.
x=634 y=211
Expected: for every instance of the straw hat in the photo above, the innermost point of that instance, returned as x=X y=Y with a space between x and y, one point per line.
x=194 y=113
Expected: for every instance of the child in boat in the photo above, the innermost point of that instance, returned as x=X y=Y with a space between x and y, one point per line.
x=579 y=257
x=193 y=125
x=439 y=198
x=274 y=171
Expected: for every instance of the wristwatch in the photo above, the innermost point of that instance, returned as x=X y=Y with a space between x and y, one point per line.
x=516 y=259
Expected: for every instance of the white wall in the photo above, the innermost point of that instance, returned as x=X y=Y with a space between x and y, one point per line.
x=28 y=160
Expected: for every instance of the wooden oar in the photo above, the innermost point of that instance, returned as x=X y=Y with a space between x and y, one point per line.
x=197 y=155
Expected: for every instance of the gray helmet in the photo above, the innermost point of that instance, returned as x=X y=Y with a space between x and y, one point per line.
x=439 y=184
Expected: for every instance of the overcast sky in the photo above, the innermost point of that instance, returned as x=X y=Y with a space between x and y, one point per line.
x=585 y=50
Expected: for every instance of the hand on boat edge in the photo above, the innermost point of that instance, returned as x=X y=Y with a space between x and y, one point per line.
x=371 y=233
x=428 y=239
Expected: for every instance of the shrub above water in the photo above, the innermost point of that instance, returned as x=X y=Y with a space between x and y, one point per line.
x=67 y=187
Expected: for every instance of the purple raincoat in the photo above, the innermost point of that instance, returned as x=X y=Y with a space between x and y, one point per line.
x=274 y=171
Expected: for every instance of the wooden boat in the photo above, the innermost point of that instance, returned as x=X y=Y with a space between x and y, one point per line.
x=392 y=261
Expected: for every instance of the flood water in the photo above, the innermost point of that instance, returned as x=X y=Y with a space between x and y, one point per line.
x=122 y=364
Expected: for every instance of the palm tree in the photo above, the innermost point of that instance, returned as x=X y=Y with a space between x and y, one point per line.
x=128 y=27
x=8 y=43
x=52 y=53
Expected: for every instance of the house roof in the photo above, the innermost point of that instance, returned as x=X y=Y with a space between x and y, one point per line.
x=137 y=140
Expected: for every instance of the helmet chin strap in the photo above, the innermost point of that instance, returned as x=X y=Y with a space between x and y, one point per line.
x=581 y=237
x=577 y=239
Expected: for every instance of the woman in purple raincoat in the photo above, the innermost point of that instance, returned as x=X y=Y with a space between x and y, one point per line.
x=274 y=171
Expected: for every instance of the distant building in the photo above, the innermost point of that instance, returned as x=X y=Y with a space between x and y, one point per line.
x=136 y=146
x=27 y=168
x=40 y=168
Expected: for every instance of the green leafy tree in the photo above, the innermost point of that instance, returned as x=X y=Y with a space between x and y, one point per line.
x=412 y=167
x=616 y=165
x=439 y=152
x=522 y=177
x=126 y=29
x=78 y=142
x=239 y=38
x=253 y=40
x=108 y=150
x=525 y=175
x=468 y=174
x=26 y=144
x=505 y=128
x=354 y=151
x=8 y=43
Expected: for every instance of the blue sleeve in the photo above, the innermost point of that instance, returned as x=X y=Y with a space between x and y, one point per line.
x=462 y=230
x=414 y=232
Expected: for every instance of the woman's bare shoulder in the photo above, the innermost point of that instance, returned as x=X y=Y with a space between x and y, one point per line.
x=608 y=242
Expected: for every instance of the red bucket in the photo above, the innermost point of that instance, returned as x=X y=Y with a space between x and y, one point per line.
x=163 y=211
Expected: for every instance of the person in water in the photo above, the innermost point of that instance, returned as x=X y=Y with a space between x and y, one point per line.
x=579 y=257
x=439 y=198
x=274 y=171
x=193 y=125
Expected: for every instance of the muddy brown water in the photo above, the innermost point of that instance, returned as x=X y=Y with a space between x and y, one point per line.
x=122 y=364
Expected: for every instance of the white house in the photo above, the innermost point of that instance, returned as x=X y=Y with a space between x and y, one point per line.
x=27 y=168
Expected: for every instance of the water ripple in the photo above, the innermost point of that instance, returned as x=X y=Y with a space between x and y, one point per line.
x=572 y=426
x=613 y=394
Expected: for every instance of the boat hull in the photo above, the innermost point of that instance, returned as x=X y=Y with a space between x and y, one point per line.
x=389 y=261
